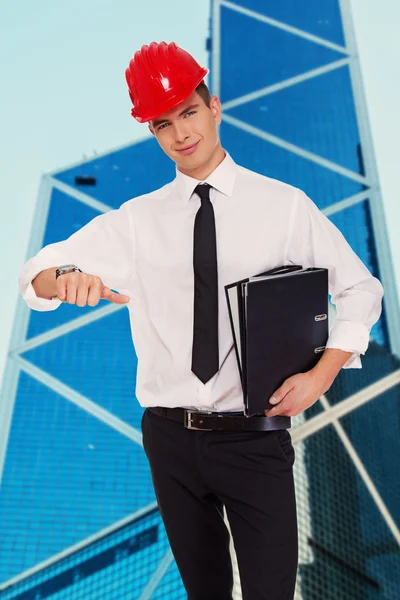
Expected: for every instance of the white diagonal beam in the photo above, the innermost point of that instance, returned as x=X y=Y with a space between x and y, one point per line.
x=347 y=202
x=84 y=403
x=280 y=25
x=286 y=83
x=337 y=411
x=60 y=330
x=107 y=531
x=273 y=139
x=157 y=576
x=376 y=497
x=80 y=196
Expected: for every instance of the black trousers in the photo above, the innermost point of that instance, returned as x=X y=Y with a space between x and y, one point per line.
x=195 y=474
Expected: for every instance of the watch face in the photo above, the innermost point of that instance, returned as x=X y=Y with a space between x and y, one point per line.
x=66 y=269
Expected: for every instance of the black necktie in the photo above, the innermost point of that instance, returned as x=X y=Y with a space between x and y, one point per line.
x=205 y=360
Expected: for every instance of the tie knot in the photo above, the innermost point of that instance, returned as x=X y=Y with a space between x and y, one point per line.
x=203 y=190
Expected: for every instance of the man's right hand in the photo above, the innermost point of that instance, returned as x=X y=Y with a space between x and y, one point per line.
x=82 y=288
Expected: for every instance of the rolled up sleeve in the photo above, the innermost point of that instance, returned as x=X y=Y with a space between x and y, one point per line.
x=316 y=242
x=103 y=247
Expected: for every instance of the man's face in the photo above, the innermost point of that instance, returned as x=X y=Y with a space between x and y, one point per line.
x=188 y=132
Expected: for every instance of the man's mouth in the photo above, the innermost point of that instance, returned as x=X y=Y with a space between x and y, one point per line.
x=189 y=149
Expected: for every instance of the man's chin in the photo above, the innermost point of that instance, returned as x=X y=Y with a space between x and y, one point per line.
x=189 y=162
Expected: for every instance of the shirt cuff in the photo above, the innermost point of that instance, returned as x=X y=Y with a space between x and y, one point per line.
x=352 y=337
x=354 y=362
x=40 y=304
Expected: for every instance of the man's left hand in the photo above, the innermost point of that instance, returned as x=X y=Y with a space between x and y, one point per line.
x=296 y=394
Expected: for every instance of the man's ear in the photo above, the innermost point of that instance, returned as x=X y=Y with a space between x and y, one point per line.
x=151 y=128
x=215 y=107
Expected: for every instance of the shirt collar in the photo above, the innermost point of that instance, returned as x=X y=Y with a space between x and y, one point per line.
x=222 y=179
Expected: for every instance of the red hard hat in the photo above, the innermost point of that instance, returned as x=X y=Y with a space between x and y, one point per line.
x=159 y=77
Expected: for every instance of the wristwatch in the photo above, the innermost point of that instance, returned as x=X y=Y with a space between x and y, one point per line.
x=66 y=269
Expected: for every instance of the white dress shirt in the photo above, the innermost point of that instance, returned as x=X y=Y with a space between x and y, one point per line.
x=145 y=250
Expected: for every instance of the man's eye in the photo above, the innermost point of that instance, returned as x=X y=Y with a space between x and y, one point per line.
x=162 y=126
x=191 y=112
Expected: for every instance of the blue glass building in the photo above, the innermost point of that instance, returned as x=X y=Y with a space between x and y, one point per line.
x=78 y=515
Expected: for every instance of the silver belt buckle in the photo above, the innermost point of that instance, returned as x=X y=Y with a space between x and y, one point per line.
x=188 y=419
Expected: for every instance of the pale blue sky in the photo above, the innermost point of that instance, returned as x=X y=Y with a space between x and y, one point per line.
x=64 y=96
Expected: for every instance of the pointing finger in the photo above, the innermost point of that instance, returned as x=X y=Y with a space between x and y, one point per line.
x=107 y=294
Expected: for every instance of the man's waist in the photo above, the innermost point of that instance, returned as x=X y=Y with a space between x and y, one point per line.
x=222 y=421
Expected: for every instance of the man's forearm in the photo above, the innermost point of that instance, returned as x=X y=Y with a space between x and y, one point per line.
x=329 y=365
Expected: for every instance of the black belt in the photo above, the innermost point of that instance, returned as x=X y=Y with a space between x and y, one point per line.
x=225 y=421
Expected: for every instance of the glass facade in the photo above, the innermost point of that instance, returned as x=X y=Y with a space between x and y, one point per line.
x=78 y=517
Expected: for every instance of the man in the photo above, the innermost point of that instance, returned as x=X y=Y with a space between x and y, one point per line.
x=169 y=254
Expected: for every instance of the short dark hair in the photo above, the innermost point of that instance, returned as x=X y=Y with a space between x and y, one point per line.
x=204 y=92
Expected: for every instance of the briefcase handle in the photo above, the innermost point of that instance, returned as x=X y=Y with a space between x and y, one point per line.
x=282 y=269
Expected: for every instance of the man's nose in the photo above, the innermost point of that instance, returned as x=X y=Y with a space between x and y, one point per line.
x=181 y=132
